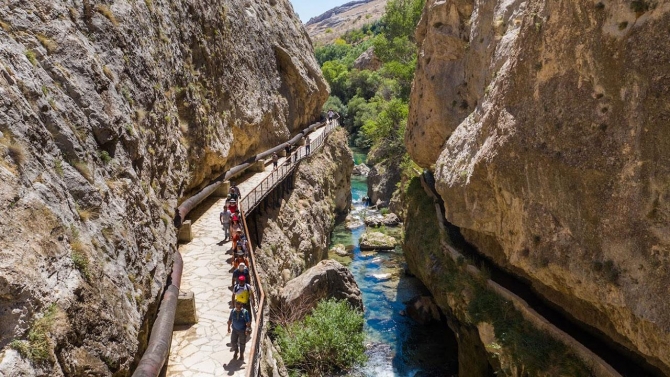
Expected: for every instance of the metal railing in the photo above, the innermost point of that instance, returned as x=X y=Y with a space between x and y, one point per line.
x=258 y=193
x=155 y=357
x=248 y=203
x=257 y=307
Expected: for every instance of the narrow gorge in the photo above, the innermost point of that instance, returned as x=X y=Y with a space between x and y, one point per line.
x=517 y=153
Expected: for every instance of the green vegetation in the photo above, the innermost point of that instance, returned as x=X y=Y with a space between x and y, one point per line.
x=374 y=104
x=104 y=156
x=81 y=263
x=36 y=347
x=328 y=340
x=58 y=167
x=31 y=57
x=530 y=347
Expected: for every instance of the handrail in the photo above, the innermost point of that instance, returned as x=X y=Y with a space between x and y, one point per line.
x=154 y=357
x=258 y=193
x=257 y=306
x=265 y=187
x=182 y=211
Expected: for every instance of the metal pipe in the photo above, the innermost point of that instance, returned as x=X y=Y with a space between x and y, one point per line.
x=161 y=333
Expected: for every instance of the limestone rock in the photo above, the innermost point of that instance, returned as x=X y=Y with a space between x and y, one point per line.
x=390 y=219
x=328 y=279
x=110 y=113
x=362 y=170
x=377 y=241
x=384 y=175
x=340 y=250
x=423 y=309
x=353 y=222
x=550 y=147
x=368 y=60
x=295 y=236
x=325 y=28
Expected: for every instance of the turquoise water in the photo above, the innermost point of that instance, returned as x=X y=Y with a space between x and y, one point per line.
x=397 y=346
x=360 y=156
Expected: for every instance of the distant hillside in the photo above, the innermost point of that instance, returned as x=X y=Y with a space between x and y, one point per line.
x=324 y=29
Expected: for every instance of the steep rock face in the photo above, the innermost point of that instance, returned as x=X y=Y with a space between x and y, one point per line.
x=296 y=235
x=547 y=125
x=111 y=112
x=327 y=27
x=384 y=174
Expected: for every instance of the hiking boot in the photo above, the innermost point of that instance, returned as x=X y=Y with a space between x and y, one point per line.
x=242 y=358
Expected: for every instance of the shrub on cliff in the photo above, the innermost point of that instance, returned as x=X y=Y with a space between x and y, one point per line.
x=328 y=340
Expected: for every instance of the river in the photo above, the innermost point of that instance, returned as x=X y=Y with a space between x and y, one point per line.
x=397 y=345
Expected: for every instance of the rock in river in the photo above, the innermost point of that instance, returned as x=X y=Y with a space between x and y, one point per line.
x=390 y=219
x=377 y=241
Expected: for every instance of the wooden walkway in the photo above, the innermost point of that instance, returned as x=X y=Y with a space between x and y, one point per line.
x=203 y=349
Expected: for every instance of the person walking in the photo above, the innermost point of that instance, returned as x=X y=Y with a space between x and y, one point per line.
x=331 y=114
x=241 y=323
x=242 y=292
x=275 y=160
x=241 y=270
x=224 y=218
x=233 y=193
x=307 y=144
x=287 y=149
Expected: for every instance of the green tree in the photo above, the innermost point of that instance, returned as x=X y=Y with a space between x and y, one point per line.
x=401 y=17
x=336 y=74
x=331 y=52
x=389 y=126
x=364 y=83
x=335 y=104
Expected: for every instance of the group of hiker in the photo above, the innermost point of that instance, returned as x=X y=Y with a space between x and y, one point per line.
x=233 y=229
x=239 y=322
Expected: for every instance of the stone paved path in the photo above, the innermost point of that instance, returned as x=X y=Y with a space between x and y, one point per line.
x=204 y=348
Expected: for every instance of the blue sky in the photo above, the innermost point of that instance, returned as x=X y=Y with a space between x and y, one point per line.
x=307 y=9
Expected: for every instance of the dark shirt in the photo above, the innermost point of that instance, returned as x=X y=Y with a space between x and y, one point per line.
x=239 y=319
x=237 y=273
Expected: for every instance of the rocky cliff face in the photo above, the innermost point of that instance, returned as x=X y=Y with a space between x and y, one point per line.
x=112 y=112
x=325 y=28
x=546 y=123
x=296 y=235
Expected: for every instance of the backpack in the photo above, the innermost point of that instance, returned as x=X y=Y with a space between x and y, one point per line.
x=242 y=296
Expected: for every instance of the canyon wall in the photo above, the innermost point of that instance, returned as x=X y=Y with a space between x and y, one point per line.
x=295 y=235
x=546 y=123
x=113 y=112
